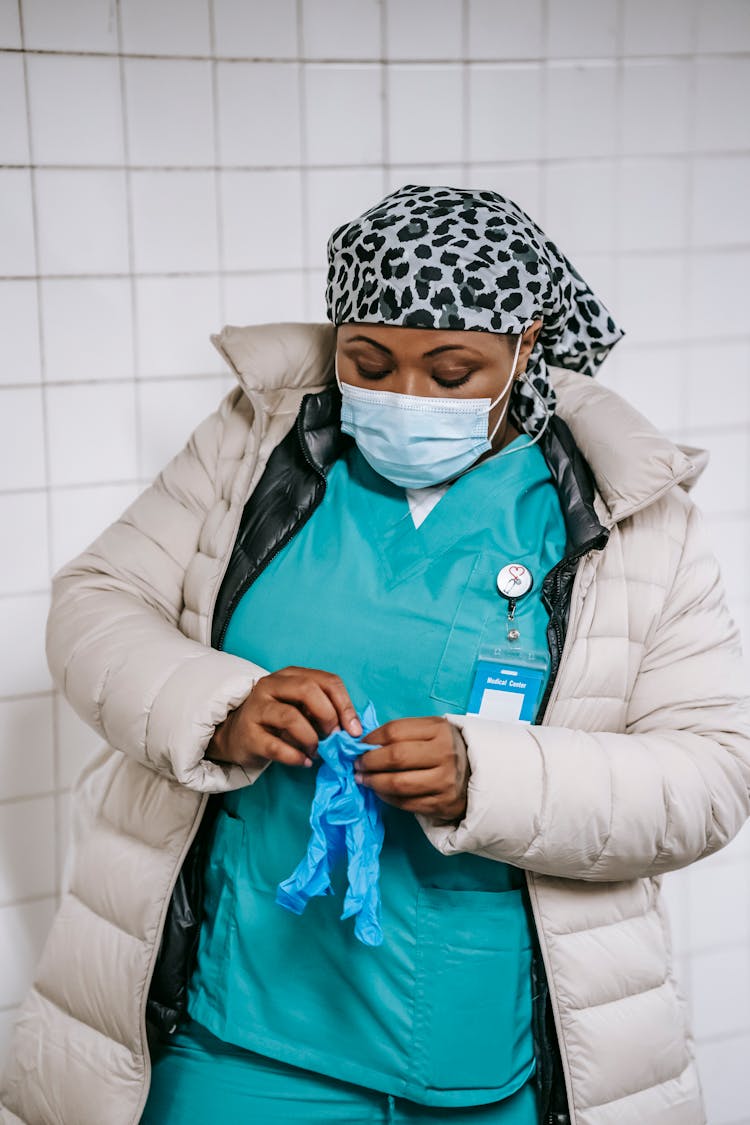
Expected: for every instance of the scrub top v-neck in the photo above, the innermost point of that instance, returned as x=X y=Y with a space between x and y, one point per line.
x=440 y=1013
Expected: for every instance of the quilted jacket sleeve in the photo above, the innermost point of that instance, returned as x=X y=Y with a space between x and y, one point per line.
x=113 y=642
x=610 y=806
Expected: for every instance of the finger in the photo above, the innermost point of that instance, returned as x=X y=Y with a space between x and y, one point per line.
x=401 y=730
x=334 y=688
x=266 y=744
x=302 y=690
x=409 y=783
x=400 y=756
x=291 y=724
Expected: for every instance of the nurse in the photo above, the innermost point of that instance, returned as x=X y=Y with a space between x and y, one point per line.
x=416 y=578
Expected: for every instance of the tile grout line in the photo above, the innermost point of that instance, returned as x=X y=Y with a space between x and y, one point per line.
x=218 y=198
x=134 y=309
x=56 y=851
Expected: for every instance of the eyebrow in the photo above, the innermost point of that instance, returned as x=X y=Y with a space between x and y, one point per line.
x=433 y=351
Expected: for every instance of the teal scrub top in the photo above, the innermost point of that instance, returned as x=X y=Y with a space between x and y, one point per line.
x=440 y=1013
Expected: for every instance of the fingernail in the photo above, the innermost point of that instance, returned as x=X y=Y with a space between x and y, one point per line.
x=355 y=727
x=358 y=778
x=308 y=762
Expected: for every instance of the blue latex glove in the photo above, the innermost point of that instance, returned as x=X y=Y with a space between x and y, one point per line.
x=345 y=818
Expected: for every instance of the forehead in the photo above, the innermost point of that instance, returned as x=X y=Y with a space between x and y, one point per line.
x=418 y=340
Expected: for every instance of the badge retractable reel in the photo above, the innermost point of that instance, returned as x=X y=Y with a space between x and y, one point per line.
x=510 y=674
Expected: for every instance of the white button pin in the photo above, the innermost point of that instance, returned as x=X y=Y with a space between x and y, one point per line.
x=514 y=580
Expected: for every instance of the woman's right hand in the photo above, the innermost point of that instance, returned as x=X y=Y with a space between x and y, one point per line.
x=282 y=719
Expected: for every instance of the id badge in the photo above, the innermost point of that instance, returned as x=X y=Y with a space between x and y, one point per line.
x=508 y=684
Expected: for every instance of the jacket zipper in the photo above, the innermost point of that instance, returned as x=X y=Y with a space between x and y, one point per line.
x=554 y=691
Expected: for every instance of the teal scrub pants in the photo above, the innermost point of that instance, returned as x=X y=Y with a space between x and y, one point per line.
x=198 y=1079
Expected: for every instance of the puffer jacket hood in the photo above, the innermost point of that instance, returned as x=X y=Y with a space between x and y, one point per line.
x=641 y=766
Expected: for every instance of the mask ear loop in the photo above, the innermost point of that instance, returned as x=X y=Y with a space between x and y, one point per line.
x=506 y=389
x=547 y=417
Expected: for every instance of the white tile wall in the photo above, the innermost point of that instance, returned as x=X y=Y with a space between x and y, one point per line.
x=167 y=166
x=76 y=111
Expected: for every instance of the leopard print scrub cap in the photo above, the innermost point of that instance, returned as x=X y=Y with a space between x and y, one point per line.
x=442 y=257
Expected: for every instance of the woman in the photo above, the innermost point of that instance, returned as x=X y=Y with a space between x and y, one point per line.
x=416 y=512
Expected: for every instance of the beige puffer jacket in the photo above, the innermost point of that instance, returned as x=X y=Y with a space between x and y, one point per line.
x=641 y=766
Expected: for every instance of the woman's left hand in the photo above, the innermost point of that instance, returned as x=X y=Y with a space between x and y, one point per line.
x=420 y=765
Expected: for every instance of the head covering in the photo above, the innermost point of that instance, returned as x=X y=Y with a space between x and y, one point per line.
x=443 y=257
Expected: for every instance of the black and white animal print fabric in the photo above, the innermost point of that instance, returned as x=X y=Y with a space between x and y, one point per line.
x=443 y=257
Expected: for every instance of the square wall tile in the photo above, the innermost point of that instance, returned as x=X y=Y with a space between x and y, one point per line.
x=355 y=134
x=174 y=222
x=14 y=137
x=27 y=849
x=22 y=655
x=717 y=384
x=91 y=433
x=657 y=27
x=722 y=1066
x=26 y=747
x=720 y=992
x=264 y=298
x=10 y=26
x=82 y=221
x=169 y=112
x=655 y=107
x=653 y=194
x=19 y=332
x=76 y=111
x=23 y=932
x=24 y=560
x=580 y=110
x=434 y=97
x=88 y=329
x=169 y=412
x=81 y=514
x=175 y=317
x=316 y=302
x=245 y=31
x=86 y=25
x=505 y=29
x=721 y=190
x=712 y=275
x=261 y=220
x=723 y=487
x=719 y=900
x=580 y=210
x=171 y=27
x=338 y=29
x=16 y=223
x=423 y=29
x=335 y=198
x=723 y=25
x=652 y=380
x=721 y=88
x=22 y=461
x=505 y=113
x=651 y=302
x=258 y=113
x=580 y=28
x=76 y=743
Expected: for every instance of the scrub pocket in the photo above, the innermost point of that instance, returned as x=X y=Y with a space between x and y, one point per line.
x=472 y=1019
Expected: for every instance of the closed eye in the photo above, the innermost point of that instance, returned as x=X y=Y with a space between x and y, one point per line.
x=454 y=382
x=365 y=374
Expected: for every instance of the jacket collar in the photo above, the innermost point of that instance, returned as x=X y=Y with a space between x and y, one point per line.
x=632 y=463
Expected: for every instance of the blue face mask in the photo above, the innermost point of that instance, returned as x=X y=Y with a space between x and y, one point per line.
x=416 y=441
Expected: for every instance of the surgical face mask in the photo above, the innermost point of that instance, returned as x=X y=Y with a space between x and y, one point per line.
x=415 y=441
